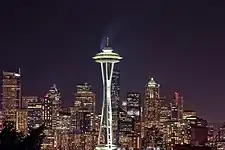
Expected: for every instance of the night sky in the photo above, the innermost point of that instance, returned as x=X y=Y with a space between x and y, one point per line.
x=179 y=43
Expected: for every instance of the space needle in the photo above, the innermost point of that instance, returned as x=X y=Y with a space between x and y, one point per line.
x=107 y=58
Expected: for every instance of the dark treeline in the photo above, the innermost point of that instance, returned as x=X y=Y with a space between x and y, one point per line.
x=10 y=139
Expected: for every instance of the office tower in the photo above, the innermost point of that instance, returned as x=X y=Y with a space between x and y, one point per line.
x=188 y=115
x=151 y=104
x=51 y=105
x=21 y=121
x=11 y=91
x=165 y=111
x=134 y=111
x=155 y=115
x=165 y=115
x=174 y=127
x=34 y=111
x=84 y=109
x=134 y=105
x=173 y=134
x=107 y=58
x=196 y=131
x=126 y=131
x=220 y=138
x=211 y=136
x=72 y=130
x=176 y=106
x=115 y=96
x=199 y=132
x=63 y=130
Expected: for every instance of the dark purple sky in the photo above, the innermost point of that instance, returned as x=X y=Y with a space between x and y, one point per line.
x=180 y=43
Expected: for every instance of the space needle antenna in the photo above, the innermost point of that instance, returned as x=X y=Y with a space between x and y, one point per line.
x=107 y=41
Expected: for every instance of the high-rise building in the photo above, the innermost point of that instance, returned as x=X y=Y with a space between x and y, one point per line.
x=133 y=107
x=199 y=132
x=173 y=134
x=63 y=137
x=51 y=105
x=107 y=58
x=151 y=104
x=165 y=111
x=21 y=121
x=188 y=117
x=84 y=109
x=11 y=90
x=34 y=111
x=211 y=136
x=176 y=106
x=220 y=138
x=174 y=127
x=196 y=131
x=126 y=125
x=115 y=97
x=155 y=115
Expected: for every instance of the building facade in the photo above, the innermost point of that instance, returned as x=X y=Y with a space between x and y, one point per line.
x=11 y=92
x=115 y=97
x=34 y=111
x=21 y=121
x=84 y=119
x=151 y=104
x=51 y=106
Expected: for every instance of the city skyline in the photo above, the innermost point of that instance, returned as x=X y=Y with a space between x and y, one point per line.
x=182 y=51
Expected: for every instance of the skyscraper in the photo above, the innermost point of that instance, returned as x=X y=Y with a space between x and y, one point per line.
x=11 y=89
x=115 y=96
x=51 y=105
x=107 y=58
x=134 y=105
x=84 y=111
x=21 y=120
x=126 y=125
x=176 y=106
x=63 y=130
x=151 y=104
x=34 y=116
x=175 y=126
x=152 y=127
x=133 y=101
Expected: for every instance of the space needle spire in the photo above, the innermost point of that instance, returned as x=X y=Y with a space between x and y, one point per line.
x=107 y=41
x=107 y=58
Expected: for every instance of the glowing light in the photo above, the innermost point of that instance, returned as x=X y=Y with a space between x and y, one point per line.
x=16 y=75
x=152 y=83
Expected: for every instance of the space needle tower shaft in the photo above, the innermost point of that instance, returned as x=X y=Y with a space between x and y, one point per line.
x=107 y=58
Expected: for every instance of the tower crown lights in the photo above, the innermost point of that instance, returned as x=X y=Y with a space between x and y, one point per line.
x=152 y=83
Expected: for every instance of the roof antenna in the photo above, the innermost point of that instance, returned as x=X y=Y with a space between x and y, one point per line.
x=107 y=41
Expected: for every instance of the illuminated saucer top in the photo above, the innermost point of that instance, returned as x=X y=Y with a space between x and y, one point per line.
x=107 y=55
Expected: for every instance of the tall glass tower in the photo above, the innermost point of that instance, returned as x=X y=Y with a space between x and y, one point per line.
x=11 y=92
x=107 y=58
x=115 y=98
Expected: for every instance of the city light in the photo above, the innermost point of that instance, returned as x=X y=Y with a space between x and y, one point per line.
x=142 y=120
